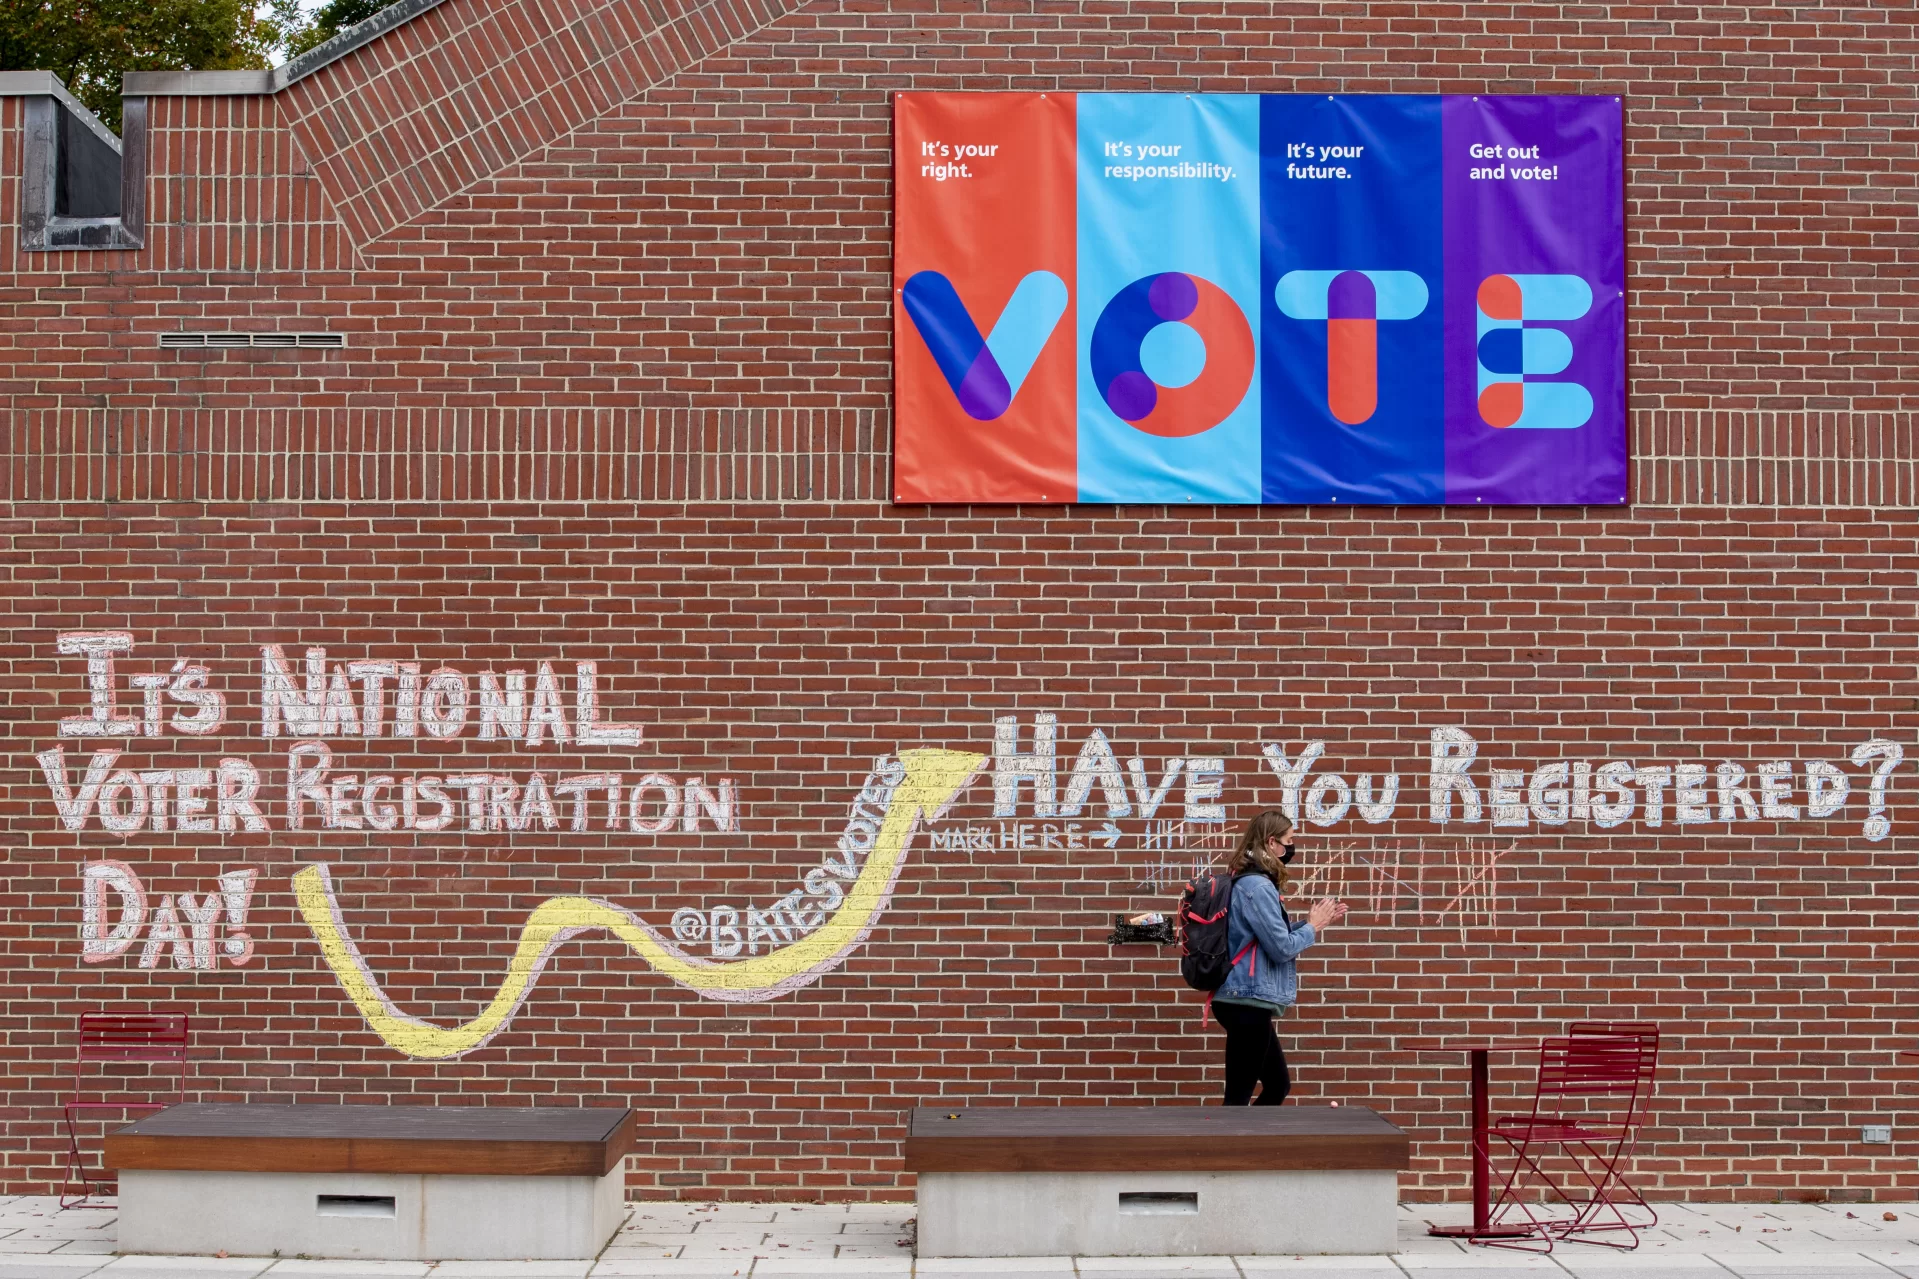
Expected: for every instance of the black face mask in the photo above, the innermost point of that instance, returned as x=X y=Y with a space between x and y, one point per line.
x=1286 y=858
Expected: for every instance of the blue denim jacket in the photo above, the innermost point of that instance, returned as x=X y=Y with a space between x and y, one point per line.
x=1266 y=971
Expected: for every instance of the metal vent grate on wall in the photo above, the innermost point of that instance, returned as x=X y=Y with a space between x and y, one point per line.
x=203 y=340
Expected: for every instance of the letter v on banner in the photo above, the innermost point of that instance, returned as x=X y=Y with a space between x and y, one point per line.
x=983 y=324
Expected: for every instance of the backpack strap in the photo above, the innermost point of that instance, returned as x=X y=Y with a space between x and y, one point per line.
x=1206 y=1009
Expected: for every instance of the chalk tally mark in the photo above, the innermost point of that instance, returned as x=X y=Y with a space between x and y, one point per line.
x=933 y=779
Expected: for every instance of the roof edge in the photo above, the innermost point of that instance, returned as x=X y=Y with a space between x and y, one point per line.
x=199 y=84
x=34 y=84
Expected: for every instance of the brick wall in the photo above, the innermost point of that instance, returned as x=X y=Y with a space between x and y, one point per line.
x=616 y=391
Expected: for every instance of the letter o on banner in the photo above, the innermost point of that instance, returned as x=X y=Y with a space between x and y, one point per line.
x=1172 y=297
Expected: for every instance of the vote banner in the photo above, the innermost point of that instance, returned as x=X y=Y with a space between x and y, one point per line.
x=1176 y=298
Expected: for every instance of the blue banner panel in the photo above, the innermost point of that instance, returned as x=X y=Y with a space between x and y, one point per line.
x=1351 y=377
x=1168 y=348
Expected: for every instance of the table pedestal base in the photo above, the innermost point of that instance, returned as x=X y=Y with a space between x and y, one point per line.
x=1481 y=1232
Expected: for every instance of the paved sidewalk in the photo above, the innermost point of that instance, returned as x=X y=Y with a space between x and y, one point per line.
x=874 y=1241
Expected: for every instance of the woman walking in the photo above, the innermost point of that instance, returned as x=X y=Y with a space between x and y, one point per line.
x=1263 y=941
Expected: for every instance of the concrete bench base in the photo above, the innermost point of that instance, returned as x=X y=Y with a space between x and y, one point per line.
x=395 y=1216
x=1173 y=1214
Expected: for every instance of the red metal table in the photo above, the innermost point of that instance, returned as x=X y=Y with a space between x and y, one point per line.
x=1477 y=1049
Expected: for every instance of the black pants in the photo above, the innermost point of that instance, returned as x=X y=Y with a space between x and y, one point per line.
x=1253 y=1056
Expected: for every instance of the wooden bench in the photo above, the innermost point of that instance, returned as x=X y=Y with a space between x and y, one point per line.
x=408 y=1183
x=1037 y=1181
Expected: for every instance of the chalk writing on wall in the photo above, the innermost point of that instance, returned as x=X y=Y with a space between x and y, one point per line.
x=1048 y=795
x=1460 y=788
x=1606 y=794
x=1442 y=883
x=328 y=705
x=728 y=931
x=928 y=780
x=1182 y=851
x=114 y=912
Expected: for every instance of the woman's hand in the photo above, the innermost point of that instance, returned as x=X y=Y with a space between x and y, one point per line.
x=1327 y=910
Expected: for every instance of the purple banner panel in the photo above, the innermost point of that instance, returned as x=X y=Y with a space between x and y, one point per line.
x=1535 y=266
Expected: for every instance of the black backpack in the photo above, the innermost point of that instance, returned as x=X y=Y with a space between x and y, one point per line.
x=1203 y=958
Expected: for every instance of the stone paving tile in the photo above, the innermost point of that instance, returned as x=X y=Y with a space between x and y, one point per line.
x=1253 y=1268
x=1803 y=1244
x=511 y=1270
x=1605 y=1262
x=69 y=1262
x=696 y=1269
x=1158 y=1268
x=1491 y=1272
x=1777 y=1264
x=1846 y=1268
x=184 y=1267
x=802 y=1268
x=348 y=1268
x=54 y=1267
x=1425 y=1245
x=1351 y=1267
x=1458 y=1263
x=1644 y=1268
x=1836 y=1264
x=1154 y=1267
x=1003 y=1268
x=995 y=1267
x=1891 y=1254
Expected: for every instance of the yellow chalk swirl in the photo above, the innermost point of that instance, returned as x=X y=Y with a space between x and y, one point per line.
x=933 y=778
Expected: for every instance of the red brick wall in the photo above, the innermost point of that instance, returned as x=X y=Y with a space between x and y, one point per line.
x=616 y=391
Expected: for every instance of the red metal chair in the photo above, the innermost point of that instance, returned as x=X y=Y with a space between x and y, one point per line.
x=1590 y=1100
x=107 y=1039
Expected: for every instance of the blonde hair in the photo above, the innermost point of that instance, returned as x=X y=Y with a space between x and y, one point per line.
x=1251 y=855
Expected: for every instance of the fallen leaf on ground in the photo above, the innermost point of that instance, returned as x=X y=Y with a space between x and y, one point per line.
x=1891 y=1216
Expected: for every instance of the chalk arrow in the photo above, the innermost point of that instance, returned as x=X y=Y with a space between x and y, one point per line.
x=933 y=779
x=1108 y=832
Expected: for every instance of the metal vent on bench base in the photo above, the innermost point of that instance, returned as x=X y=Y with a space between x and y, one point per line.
x=1158 y=1203
x=226 y=340
x=356 y=1206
